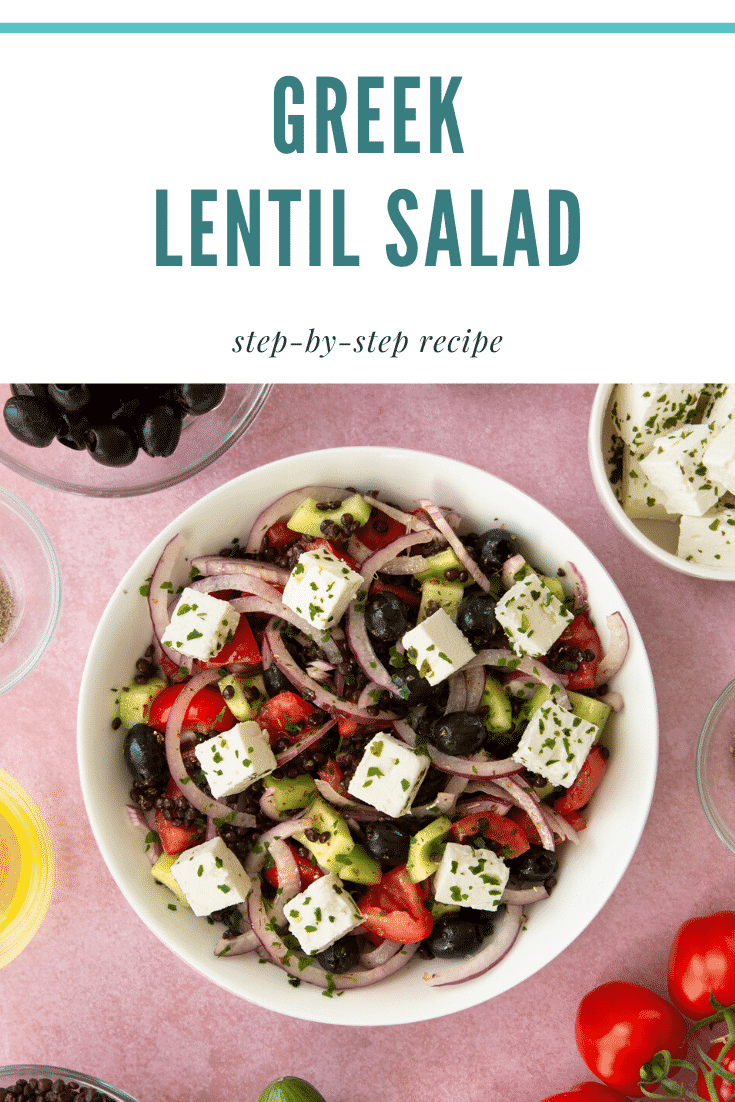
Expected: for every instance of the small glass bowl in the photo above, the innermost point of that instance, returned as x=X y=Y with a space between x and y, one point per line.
x=13 y=1072
x=30 y=590
x=203 y=439
x=27 y=868
x=715 y=766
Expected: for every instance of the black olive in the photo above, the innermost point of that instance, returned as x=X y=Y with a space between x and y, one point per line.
x=495 y=547
x=454 y=936
x=69 y=396
x=30 y=390
x=385 y=617
x=343 y=956
x=144 y=755
x=534 y=866
x=31 y=420
x=159 y=429
x=275 y=681
x=458 y=733
x=201 y=397
x=73 y=431
x=387 y=842
x=412 y=688
x=476 y=615
x=111 y=445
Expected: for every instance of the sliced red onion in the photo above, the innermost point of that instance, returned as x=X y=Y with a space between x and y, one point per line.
x=289 y=878
x=457 y=696
x=372 y=956
x=245 y=583
x=521 y=685
x=440 y=805
x=362 y=650
x=378 y=559
x=322 y=638
x=522 y=897
x=530 y=804
x=268 y=807
x=304 y=743
x=502 y=939
x=311 y=688
x=510 y=568
x=332 y=796
x=160 y=588
x=208 y=806
x=617 y=649
x=531 y=667
x=559 y=825
x=473 y=766
x=153 y=849
x=209 y=565
x=405 y=732
x=456 y=544
x=408 y=520
x=236 y=946
x=357 y=550
x=370 y=696
x=258 y=855
x=579 y=586
x=613 y=700
x=284 y=506
x=484 y=803
x=412 y=564
x=475 y=681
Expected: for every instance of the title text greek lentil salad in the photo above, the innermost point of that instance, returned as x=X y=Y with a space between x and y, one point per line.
x=358 y=736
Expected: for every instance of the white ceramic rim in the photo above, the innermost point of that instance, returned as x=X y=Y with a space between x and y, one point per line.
x=258 y=402
x=9 y=499
x=48 y=1071
x=705 y=736
x=618 y=814
x=614 y=509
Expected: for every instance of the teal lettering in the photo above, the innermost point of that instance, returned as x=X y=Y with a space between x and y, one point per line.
x=406 y=259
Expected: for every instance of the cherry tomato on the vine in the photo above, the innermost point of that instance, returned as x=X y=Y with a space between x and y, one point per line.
x=620 y=1026
x=723 y=1089
x=702 y=960
x=587 y=1092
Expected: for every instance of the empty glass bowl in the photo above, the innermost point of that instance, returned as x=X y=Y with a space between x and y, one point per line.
x=30 y=590
x=13 y=1072
x=203 y=439
x=715 y=766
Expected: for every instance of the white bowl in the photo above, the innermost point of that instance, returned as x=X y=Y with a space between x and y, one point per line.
x=590 y=872
x=656 y=538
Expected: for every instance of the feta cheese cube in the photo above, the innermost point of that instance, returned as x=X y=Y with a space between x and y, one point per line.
x=211 y=877
x=322 y=913
x=531 y=616
x=676 y=465
x=555 y=744
x=720 y=409
x=471 y=877
x=320 y=588
x=234 y=759
x=709 y=539
x=437 y=647
x=640 y=498
x=388 y=775
x=200 y=625
x=719 y=458
x=641 y=411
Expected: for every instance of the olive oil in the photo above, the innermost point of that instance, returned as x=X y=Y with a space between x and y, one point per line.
x=26 y=868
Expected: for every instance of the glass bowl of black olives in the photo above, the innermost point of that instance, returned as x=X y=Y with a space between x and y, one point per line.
x=31 y=1082
x=121 y=439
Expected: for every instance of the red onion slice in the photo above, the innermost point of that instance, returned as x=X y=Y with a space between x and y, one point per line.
x=475 y=682
x=511 y=567
x=372 y=956
x=305 y=742
x=613 y=700
x=411 y=523
x=258 y=604
x=244 y=583
x=483 y=803
x=208 y=806
x=386 y=554
x=210 y=565
x=311 y=688
x=160 y=589
x=284 y=506
x=456 y=544
x=528 y=803
x=494 y=950
x=579 y=586
x=236 y=946
x=289 y=878
x=457 y=696
x=531 y=667
x=473 y=766
x=617 y=650
x=153 y=850
x=522 y=897
x=559 y=825
x=412 y=564
x=258 y=855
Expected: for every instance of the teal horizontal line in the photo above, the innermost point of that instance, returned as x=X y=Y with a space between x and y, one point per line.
x=367 y=28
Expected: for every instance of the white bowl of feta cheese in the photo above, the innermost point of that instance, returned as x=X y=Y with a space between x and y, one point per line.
x=589 y=871
x=663 y=462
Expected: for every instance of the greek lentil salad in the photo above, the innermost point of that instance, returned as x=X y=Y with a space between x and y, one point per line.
x=360 y=736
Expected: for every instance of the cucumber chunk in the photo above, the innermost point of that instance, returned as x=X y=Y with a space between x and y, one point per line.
x=134 y=701
x=308 y=520
x=426 y=848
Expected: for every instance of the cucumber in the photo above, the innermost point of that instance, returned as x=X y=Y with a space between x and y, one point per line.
x=437 y=564
x=308 y=520
x=291 y=793
x=289 y=1088
x=586 y=707
x=499 y=717
x=448 y=595
x=339 y=854
x=554 y=585
x=426 y=848
x=239 y=703
x=161 y=872
x=134 y=701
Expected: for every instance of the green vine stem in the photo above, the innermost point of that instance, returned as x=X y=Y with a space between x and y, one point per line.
x=657 y=1073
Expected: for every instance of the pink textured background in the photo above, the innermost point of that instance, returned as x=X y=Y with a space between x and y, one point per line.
x=96 y=991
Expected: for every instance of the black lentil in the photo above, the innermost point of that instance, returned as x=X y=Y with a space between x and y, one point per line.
x=47 y=1090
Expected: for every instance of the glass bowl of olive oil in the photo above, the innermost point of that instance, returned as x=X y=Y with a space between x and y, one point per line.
x=27 y=867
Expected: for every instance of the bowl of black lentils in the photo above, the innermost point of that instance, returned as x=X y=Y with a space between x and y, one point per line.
x=121 y=439
x=44 y=1083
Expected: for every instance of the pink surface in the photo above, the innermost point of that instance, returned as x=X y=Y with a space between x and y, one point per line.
x=96 y=991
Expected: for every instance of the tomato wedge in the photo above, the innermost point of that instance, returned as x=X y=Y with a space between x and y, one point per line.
x=394 y=909
x=410 y=597
x=320 y=543
x=497 y=828
x=332 y=773
x=280 y=537
x=284 y=716
x=307 y=872
x=242 y=649
x=585 y=783
x=174 y=838
x=580 y=634
x=207 y=711
x=379 y=530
